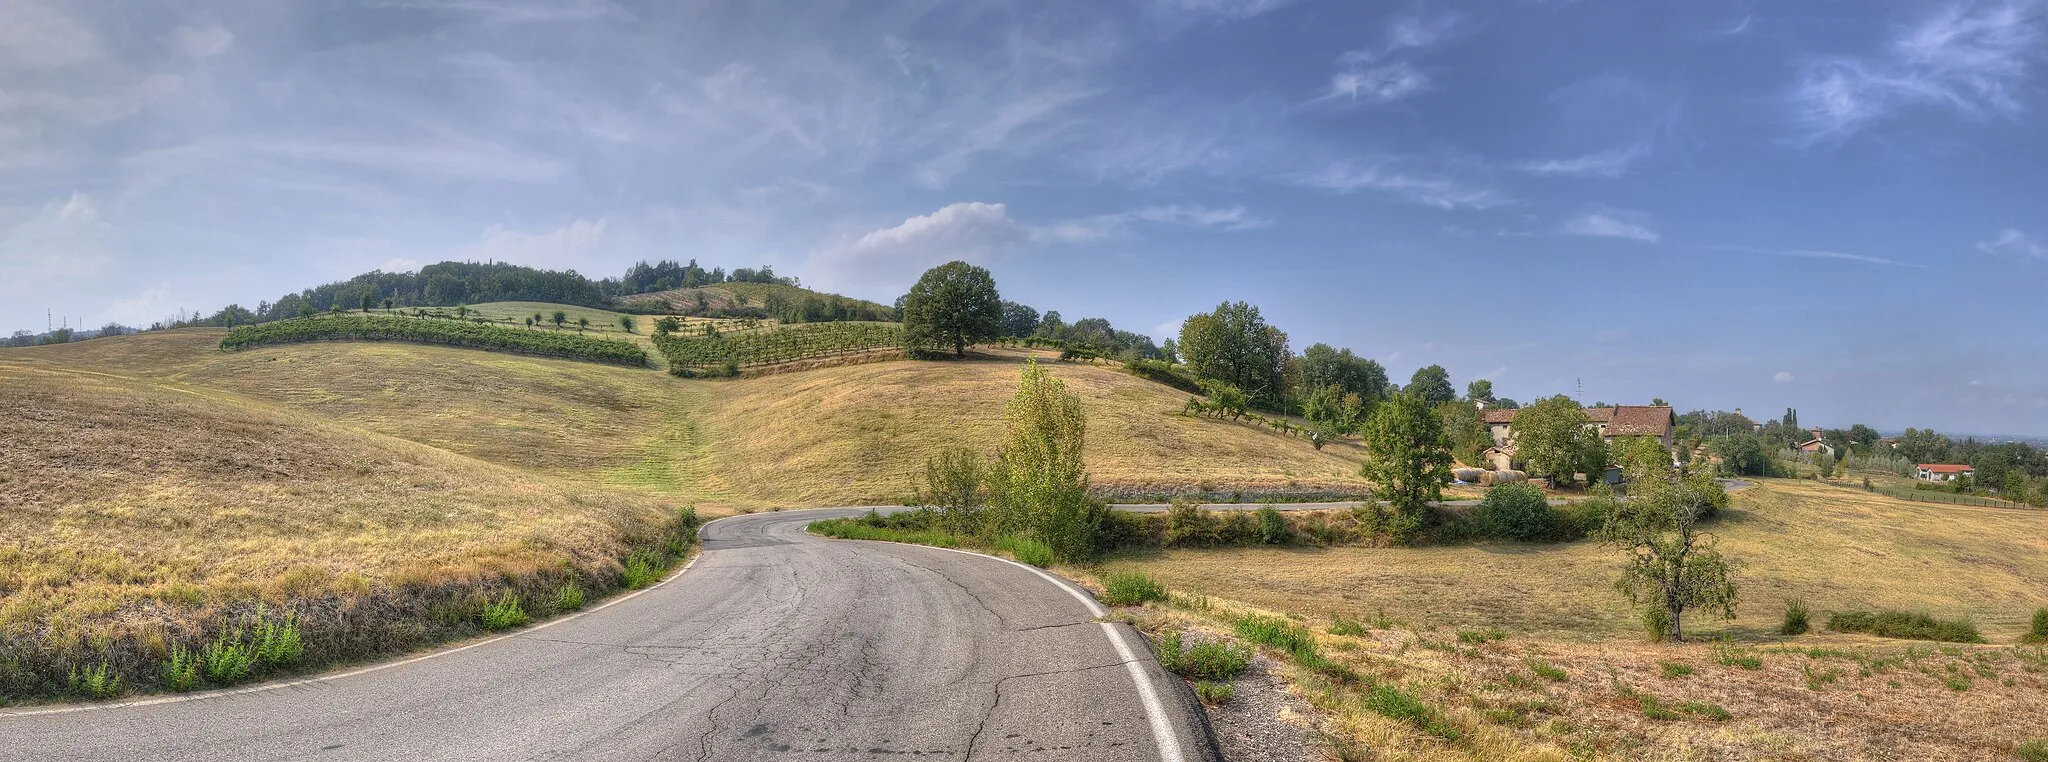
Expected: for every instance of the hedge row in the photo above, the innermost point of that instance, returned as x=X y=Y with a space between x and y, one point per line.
x=786 y=344
x=431 y=331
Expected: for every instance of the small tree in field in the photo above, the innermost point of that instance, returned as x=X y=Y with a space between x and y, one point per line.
x=1553 y=436
x=667 y=325
x=1408 y=459
x=462 y=311
x=954 y=483
x=1334 y=412
x=626 y=322
x=582 y=324
x=559 y=318
x=1673 y=565
x=1039 y=486
x=367 y=302
x=387 y=305
x=952 y=305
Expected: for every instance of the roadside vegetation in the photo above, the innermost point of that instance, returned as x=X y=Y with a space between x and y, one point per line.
x=431 y=331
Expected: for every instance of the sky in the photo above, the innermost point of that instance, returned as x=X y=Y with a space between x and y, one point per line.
x=1834 y=205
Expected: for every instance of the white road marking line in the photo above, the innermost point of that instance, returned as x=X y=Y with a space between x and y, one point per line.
x=4 y=713
x=1155 y=712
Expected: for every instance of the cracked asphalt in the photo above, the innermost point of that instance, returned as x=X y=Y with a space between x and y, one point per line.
x=775 y=645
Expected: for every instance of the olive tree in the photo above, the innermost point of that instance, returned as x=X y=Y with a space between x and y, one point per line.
x=952 y=305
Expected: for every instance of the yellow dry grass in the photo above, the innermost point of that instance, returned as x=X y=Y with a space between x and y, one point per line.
x=1836 y=549
x=140 y=509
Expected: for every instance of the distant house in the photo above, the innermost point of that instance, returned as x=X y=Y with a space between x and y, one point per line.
x=1814 y=444
x=1619 y=421
x=1943 y=472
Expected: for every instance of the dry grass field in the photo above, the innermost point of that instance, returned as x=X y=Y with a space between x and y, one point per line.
x=1835 y=548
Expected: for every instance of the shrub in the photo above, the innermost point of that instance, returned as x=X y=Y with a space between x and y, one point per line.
x=1131 y=589
x=2039 y=632
x=1272 y=528
x=569 y=597
x=1795 y=618
x=278 y=643
x=503 y=613
x=227 y=660
x=94 y=682
x=1214 y=693
x=1207 y=660
x=1025 y=550
x=181 y=672
x=1188 y=524
x=1518 y=511
x=639 y=572
x=1912 y=625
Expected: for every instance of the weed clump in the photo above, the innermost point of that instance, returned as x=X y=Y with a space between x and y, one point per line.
x=1025 y=550
x=181 y=671
x=227 y=660
x=95 y=682
x=1795 y=618
x=2032 y=751
x=1206 y=660
x=1343 y=626
x=569 y=597
x=503 y=614
x=1547 y=671
x=1131 y=589
x=1674 y=669
x=640 y=572
x=1213 y=694
x=2039 y=632
x=1398 y=704
x=1911 y=625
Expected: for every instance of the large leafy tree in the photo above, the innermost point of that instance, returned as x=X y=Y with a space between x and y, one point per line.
x=1432 y=385
x=1323 y=365
x=952 y=305
x=1465 y=430
x=1480 y=390
x=1673 y=565
x=1742 y=454
x=1408 y=458
x=1333 y=412
x=1019 y=320
x=1552 y=435
x=1234 y=345
x=1038 y=485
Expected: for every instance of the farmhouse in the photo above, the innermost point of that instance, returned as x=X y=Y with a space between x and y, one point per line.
x=1943 y=472
x=1814 y=444
x=1618 y=421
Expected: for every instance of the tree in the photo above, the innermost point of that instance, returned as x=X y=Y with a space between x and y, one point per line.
x=462 y=311
x=367 y=301
x=1169 y=350
x=667 y=325
x=1506 y=403
x=1019 y=320
x=954 y=482
x=529 y=322
x=387 y=304
x=1480 y=390
x=1431 y=384
x=1408 y=459
x=1553 y=435
x=1465 y=430
x=1226 y=399
x=626 y=322
x=1322 y=365
x=1234 y=345
x=1742 y=454
x=559 y=318
x=952 y=305
x=1039 y=485
x=1334 y=413
x=1673 y=566
x=1864 y=437
x=582 y=324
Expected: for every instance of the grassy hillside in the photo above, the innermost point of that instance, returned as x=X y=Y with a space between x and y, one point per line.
x=724 y=295
x=145 y=515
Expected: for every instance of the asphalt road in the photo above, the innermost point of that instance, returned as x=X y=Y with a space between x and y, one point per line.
x=773 y=645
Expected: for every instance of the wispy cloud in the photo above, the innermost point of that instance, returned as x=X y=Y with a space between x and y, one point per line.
x=887 y=260
x=1213 y=10
x=1386 y=72
x=1816 y=254
x=1226 y=219
x=2013 y=243
x=1611 y=223
x=1972 y=58
x=1420 y=186
x=561 y=249
x=1610 y=163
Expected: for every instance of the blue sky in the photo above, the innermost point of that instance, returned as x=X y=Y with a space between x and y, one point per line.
x=1839 y=206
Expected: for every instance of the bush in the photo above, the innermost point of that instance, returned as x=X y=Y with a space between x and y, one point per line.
x=1912 y=625
x=1272 y=528
x=504 y=613
x=2039 y=632
x=181 y=672
x=1214 y=693
x=1795 y=618
x=453 y=333
x=227 y=660
x=1131 y=589
x=1207 y=660
x=95 y=682
x=569 y=597
x=1518 y=511
x=278 y=643
x=640 y=572
x=1025 y=550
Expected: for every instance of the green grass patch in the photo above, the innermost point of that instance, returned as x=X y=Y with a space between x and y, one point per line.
x=459 y=333
x=854 y=529
x=1911 y=625
x=1476 y=637
x=1548 y=671
x=1206 y=660
x=2032 y=751
x=1131 y=589
x=1025 y=550
x=1394 y=703
x=1674 y=669
x=1735 y=656
x=1348 y=627
x=1213 y=693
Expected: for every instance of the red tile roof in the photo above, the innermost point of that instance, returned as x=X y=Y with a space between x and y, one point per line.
x=1945 y=468
x=1621 y=420
x=1498 y=415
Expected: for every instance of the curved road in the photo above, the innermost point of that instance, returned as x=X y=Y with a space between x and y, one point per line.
x=773 y=645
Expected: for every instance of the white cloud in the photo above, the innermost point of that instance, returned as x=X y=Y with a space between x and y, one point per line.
x=561 y=249
x=151 y=305
x=36 y=37
x=63 y=241
x=399 y=265
x=888 y=260
x=1414 y=185
x=1816 y=254
x=203 y=42
x=1226 y=219
x=1611 y=163
x=1610 y=223
x=2013 y=243
x=1383 y=74
x=1781 y=376
x=456 y=158
x=1972 y=58
x=1379 y=84
x=1215 y=10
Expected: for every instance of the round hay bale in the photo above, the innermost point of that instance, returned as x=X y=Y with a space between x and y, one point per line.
x=1509 y=477
x=1466 y=474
